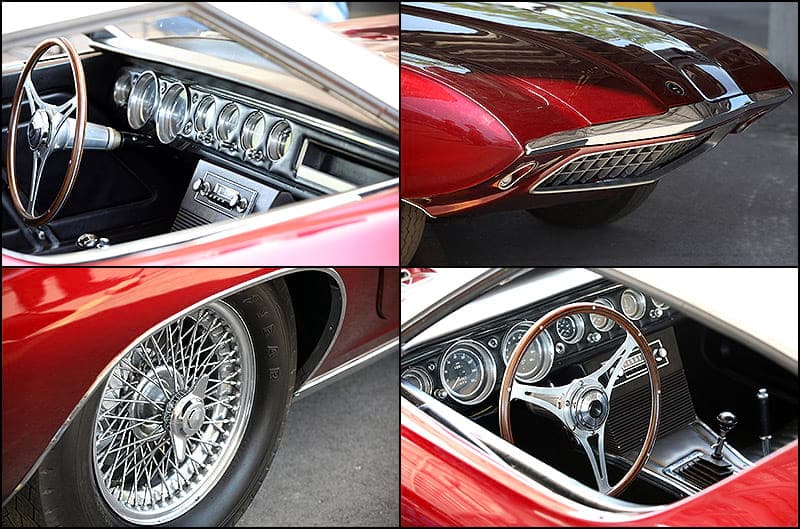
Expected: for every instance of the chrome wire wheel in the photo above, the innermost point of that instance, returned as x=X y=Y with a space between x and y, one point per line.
x=172 y=415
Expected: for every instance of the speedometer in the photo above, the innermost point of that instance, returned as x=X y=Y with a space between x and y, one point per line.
x=634 y=304
x=142 y=100
x=538 y=358
x=468 y=372
x=601 y=323
x=172 y=113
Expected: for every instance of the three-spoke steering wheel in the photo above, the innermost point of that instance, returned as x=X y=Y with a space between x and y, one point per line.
x=46 y=133
x=584 y=404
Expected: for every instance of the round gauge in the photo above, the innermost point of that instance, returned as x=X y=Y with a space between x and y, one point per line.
x=538 y=358
x=142 y=100
x=254 y=131
x=419 y=378
x=172 y=113
x=204 y=115
x=122 y=89
x=634 y=304
x=227 y=122
x=570 y=328
x=279 y=141
x=601 y=323
x=659 y=304
x=468 y=372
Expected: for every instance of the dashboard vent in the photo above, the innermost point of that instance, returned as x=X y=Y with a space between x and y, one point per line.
x=630 y=413
x=618 y=166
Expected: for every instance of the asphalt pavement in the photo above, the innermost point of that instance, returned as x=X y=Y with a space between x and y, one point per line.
x=338 y=461
x=733 y=205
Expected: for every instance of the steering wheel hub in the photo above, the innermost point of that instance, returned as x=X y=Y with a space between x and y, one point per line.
x=39 y=130
x=590 y=408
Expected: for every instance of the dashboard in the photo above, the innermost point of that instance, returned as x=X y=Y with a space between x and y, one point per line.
x=311 y=155
x=464 y=370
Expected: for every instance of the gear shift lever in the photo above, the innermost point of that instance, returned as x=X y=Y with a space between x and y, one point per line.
x=727 y=421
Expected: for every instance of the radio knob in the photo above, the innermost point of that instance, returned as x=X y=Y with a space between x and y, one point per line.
x=201 y=186
x=233 y=201
x=241 y=205
x=661 y=352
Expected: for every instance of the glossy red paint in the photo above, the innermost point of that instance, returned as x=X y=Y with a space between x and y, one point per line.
x=446 y=482
x=363 y=232
x=540 y=70
x=62 y=326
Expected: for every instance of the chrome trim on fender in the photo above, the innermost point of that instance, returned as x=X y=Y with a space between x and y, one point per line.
x=354 y=364
x=407 y=201
x=678 y=120
x=208 y=232
x=275 y=274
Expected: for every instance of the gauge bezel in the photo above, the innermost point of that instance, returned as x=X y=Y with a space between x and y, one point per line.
x=135 y=100
x=247 y=133
x=544 y=370
x=580 y=327
x=235 y=128
x=274 y=138
x=164 y=113
x=422 y=375
x=212 y=108
x=489 y=373
x=609 y=324
x=641 y=304
x=117 y=95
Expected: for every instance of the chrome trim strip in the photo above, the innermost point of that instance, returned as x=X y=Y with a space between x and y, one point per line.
x=208 y=232
x=408 y=201
x=351 y=365
x=677 y=120
x=225 y=293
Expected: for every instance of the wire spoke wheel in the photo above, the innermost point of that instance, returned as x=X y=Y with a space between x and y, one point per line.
x=172 y=415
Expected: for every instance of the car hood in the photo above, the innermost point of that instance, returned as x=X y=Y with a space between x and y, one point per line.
x=594 y=61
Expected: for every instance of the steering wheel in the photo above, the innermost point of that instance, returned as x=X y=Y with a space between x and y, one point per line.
x=47 y=121
x=583 y=405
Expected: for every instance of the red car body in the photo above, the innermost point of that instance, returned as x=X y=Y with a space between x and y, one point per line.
x=495 y=99
x=63 y=326
x=446 y=482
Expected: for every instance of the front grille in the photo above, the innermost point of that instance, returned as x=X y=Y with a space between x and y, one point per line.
x=619 y=166
x=630 y=413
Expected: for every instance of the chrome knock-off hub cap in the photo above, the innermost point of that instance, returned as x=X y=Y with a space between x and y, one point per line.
x=38 y=130
x=590 y=407
x=172 y=415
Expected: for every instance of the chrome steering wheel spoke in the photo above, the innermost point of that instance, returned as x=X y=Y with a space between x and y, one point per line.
x=34 y=101
x=596 y=459
x=551 y=399
x=39 y=160
x=614 y=366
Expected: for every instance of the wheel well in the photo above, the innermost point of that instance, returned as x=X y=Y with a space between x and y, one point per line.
x=318 y=303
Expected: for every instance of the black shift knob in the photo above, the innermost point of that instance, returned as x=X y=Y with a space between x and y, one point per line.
x=727 y=421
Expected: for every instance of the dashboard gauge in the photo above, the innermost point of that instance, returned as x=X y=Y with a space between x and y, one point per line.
x=204 y=115
x=228 y=122
x=122 y=89
x=172 y=113
x=659 y=304
x=254 y=131
x=634 y=304
x=468 y=372
x=538 y=358
x=279 y=141
x=419 y=378
x=601 y=323
x=570 y=328
x=142 y=100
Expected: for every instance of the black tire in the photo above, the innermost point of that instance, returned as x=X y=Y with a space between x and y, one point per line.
x=412 y=224
x=64 y=491
x=593 y=213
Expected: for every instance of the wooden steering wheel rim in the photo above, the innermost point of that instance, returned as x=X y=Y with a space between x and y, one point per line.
x=652 y=370
x=71 y=176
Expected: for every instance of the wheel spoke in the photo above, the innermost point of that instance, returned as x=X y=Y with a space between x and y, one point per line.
x=598 y=460
x=551 y=399
x=34 y=100
x=36 y=178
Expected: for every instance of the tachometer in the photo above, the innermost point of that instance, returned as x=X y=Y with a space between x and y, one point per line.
x=570 y=328
x=142 y=100
x=468 y=372
x=601 y=323
x=634 y=304
x=538 y=358
x=172 y=113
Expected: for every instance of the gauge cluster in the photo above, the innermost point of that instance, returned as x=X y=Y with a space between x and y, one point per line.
x=465 y=370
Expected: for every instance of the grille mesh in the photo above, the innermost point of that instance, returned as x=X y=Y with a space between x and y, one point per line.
x=621 y=164
x=187 y=219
